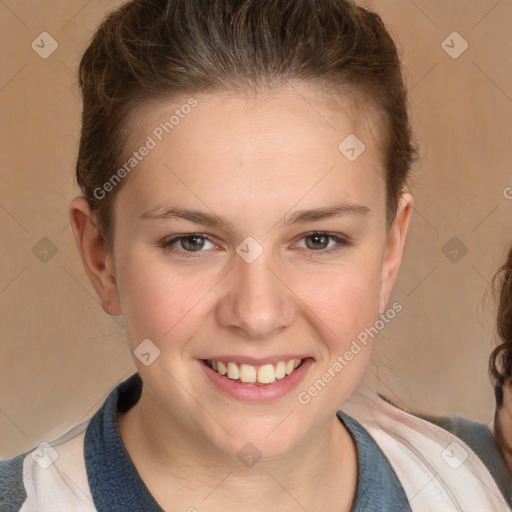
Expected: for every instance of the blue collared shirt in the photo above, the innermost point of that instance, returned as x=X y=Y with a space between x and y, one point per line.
x=115 y=485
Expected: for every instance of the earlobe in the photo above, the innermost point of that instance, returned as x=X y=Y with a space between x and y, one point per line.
x=96 y=255
x=394 y=248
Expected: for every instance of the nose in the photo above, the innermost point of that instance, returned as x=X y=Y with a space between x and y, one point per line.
x=256 y=301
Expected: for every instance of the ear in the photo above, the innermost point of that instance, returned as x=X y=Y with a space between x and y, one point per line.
x=394 y=248
x=96 y=255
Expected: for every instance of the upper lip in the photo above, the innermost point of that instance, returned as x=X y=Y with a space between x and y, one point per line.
x=256 y=362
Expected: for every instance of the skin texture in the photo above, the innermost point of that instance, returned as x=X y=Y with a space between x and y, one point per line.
x=255 y=161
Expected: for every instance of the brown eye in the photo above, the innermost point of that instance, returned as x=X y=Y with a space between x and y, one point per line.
x=317 y=241
x=192 y=243
x=322 y=242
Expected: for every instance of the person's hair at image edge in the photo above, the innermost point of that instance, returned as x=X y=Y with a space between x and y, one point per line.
x=500 y=361
x=148 y=50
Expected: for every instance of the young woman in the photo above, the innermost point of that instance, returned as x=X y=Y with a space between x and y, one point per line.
x=244 y=168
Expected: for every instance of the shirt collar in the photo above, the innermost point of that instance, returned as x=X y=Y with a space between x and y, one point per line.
x=378 y=487
x=116 y=486
x=113 y=479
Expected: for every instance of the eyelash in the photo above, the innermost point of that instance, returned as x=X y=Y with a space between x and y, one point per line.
x=341 y=241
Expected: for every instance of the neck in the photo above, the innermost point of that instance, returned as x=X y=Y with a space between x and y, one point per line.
x=176 y=465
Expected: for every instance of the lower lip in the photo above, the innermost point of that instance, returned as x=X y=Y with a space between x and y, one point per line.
x=258 y=393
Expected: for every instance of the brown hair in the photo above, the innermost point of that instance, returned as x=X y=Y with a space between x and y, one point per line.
x=500 y=360
x=152 y=49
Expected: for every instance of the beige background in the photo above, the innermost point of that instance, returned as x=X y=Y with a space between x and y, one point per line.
x=60 y=354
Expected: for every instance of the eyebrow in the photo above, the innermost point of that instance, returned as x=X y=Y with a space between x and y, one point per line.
x=337 y=210
x=173 y=213
x=212 y=220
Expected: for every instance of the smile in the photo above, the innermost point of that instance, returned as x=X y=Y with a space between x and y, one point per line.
x=249 y=374
x=252 y=380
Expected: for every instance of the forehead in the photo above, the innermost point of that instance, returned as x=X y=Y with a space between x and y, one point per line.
x=265 y=145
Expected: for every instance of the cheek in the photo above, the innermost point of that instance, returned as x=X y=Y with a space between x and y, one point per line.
x=157 y=301
x=344 y=301
x=162 y=303
x=342 y=307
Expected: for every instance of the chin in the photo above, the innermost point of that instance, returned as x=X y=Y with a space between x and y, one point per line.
x=256 y=439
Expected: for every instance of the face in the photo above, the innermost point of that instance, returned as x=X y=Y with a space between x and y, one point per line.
x=247 y=242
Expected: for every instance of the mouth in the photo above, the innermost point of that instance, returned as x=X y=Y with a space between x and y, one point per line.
x=262 y=375
x=249 y=380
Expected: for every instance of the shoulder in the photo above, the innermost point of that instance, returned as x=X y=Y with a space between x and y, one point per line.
x=474 y=434
x=12 y=489
x=52 y=476
x=433 y=464
x=479 y=438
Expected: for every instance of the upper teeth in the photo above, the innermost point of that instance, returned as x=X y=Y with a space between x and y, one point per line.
x=265 y=374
